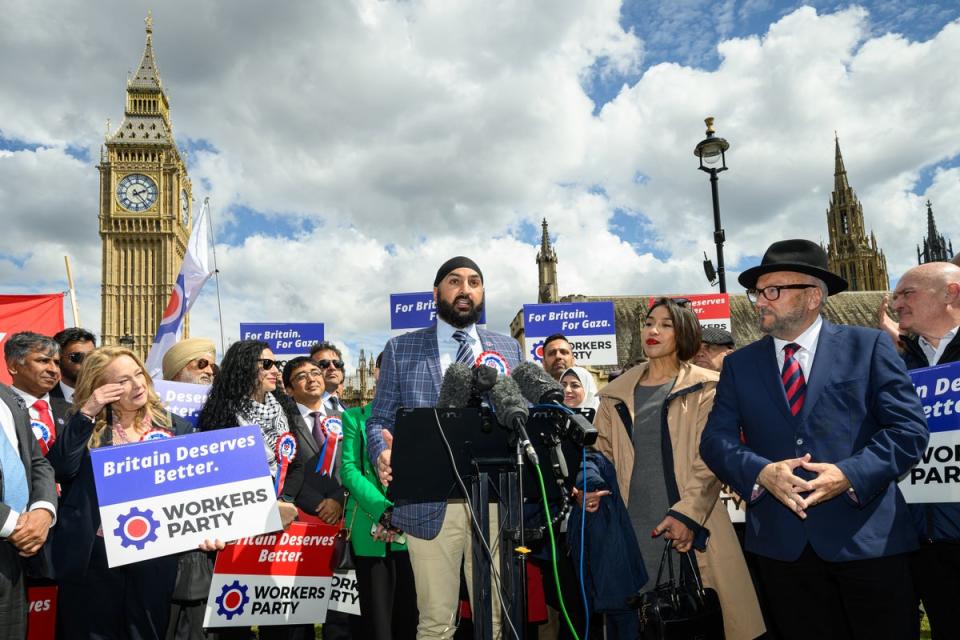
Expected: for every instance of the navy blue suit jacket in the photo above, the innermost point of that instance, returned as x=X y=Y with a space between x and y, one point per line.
x=861 y=413
x=410 y=377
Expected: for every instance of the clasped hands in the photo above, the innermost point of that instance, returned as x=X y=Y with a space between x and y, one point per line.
x=798 y=494
x=31 y=530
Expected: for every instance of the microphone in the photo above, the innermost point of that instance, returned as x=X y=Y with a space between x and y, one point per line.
x=457 y=387
x=536 y=385
x=484 y=377
x=539 y=387
x=511 y=409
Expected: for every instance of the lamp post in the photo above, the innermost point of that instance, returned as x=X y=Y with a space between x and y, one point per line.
x=126 y=341
x=710 y=150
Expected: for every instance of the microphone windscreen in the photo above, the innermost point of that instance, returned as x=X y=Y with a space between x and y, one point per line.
x=508 y=402
x=456 y=387
x=536 y=384
x=484 y=378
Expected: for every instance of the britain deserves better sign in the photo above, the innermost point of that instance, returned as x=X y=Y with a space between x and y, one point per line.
x=279 y=578
x=168 y=495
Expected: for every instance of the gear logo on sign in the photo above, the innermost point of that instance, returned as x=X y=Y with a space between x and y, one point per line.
x=537 y=351
x=137 y=528
x=232 y=599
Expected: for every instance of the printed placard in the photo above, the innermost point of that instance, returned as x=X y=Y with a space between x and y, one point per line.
x=165 y=496
x=278 y=578
x=712 y=309
x=284 y=338
x=42 y=612
x=344 y=596
x=182 y=398
x=736 y=506
x=936 y=478
x=589 y=326
x=412 y=311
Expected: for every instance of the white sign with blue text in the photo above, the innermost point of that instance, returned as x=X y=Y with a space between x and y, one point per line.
x=168 y=495
x=936 y=478
x=182 y=398
x=589 y=326
x=284 y=338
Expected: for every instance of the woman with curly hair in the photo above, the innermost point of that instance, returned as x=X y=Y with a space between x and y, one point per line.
x=243 y=394
x=113 y=404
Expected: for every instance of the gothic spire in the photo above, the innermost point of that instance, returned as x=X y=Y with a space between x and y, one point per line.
x=840 y=183
x=147 y=76
x=935 y=247
x=547 y=268
x=545 y=238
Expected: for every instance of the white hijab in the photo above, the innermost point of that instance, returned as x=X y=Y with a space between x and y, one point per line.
x=590 y=391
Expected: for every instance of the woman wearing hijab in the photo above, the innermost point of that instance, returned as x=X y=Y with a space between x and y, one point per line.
x=649 y=422
x=113 y=404
x=579 y=389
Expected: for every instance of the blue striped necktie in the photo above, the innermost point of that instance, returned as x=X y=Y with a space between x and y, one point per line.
x=792 y=375
x=465 y=351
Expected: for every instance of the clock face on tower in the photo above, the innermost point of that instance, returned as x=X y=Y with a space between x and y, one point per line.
x=137 y=192
x=184 y=208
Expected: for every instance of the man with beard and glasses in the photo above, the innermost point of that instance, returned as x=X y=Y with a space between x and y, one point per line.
x=830 y=421
x=330 y=360
x=75 y=343
x=439 y=536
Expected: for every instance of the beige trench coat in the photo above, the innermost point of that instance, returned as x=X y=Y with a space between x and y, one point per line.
x=722 y=565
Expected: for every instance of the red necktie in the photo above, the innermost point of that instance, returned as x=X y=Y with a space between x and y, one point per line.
x=43 y=410
x=793 y=382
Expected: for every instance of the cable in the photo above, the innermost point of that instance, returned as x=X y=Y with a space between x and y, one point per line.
x=583 y=539
x=476 y=527
x=553 y=554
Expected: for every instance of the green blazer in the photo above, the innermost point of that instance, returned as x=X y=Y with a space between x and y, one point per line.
x=358 y=476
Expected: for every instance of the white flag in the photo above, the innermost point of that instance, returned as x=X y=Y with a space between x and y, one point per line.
x=196 y=270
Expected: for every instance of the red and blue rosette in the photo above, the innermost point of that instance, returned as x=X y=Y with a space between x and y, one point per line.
x=155 y=434
x=44 y=435
x=286 y=451
x=495 y=360
x=332 y=428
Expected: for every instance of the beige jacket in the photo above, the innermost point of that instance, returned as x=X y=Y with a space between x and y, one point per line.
x=722 y=565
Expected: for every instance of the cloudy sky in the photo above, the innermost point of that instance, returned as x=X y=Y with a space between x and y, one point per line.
x=349 y=147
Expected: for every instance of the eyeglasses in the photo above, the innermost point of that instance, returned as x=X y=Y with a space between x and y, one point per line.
x=304 y=375
x=323 y=364
x=773 y=292
x=268 y=364
x=76 y=357
x=203 y=363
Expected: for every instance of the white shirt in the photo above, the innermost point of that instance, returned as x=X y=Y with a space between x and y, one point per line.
x=808 y=348
x=10 y=433
x=67 y=391
x=29 y=400
x=305 y=412
x=448 y=346
x=933 y=353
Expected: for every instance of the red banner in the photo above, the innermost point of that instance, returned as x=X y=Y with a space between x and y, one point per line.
x=42 y=615
x=39 y=313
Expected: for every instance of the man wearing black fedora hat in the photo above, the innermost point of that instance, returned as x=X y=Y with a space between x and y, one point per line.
x=829 y=421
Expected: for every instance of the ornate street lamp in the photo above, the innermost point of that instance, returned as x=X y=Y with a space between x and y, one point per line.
x=126 y=341
x=711 y=151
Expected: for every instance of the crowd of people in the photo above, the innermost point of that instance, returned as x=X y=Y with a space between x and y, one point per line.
x=812 y=426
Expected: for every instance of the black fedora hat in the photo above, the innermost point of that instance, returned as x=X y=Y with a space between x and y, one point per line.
x=802 y=256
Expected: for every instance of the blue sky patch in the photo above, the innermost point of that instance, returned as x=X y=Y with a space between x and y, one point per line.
x=245 y=222
x=636 y=229
x=928 y=173
x=13 y=144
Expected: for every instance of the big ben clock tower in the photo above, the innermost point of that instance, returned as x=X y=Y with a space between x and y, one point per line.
x=145 y=211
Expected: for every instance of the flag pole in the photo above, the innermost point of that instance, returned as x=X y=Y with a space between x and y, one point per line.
x=216 y=272
x=73 y=293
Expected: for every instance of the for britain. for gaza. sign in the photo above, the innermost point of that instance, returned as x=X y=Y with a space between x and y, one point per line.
x=168 y=495
x=936 y=478
x=286 y=338
x=589 y=326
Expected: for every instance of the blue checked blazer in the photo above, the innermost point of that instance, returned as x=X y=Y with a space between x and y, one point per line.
x=410 y=377
x=861 y=413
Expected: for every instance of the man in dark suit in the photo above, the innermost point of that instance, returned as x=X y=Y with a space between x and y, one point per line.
x=26 y=511
x=927 y=302
x=320 y=495
x=439 y=534
x=33 y=361
x=830 y=421
x=75 y=343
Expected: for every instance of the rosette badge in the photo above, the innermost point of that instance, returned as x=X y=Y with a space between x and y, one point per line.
x=332 y=429
x=494 y=360
x=286 y=451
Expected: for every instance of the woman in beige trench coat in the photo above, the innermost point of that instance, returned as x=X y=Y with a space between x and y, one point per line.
x=671 y=335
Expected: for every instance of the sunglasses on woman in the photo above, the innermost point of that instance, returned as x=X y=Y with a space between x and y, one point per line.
x=268 y=364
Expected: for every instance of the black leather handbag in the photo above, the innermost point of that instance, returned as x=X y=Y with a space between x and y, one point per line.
x=679 y=609
x=341 y=559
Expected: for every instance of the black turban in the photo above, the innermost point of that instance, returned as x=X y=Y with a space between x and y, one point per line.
x=456 y=263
